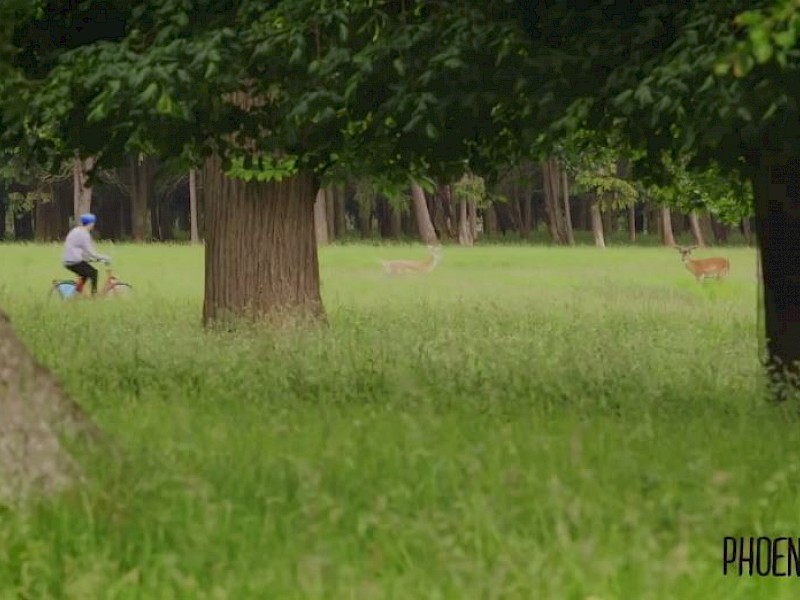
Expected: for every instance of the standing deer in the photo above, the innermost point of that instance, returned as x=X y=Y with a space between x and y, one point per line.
x=395 y=267
x=704 y=267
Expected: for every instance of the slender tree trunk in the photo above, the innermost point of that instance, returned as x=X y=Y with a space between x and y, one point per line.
x=47 y=220
x=396 y=220
x=321 y=218
x=472 y=217
x=720 y=231
x=195 y=232
x=423 y=217
x=330 y=212
x=261 y=255
x=697 y=233
x=706 y=226
x=632 y=222
x=747 y=231
x=667 y=237
x=597 y=225
x=365 y=210
x=3 y=212
x=552 y=198
x=490 y=221
x=82 y=195
x=567 y=210
x=142 y=193
x=776 y=183
x=464 y=232
x=340 y=212
x=37 y=424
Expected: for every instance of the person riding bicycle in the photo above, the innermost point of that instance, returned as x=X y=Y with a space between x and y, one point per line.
x=79 y=250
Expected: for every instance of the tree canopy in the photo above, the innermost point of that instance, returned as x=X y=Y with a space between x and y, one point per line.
x=379 y=86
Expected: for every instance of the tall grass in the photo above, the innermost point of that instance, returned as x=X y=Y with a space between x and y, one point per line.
x=521 y=423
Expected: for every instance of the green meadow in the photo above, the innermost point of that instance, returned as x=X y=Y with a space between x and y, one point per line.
x=524 y=422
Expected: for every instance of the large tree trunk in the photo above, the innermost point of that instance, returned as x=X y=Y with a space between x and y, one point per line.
x=597 y=225
x=261 y=252
x=667 y=237
x=37 y=423
x=697 y=232
x=423 y=217
x=195 y=231
x=321 y=218
x=82 y=193
x=776 y=183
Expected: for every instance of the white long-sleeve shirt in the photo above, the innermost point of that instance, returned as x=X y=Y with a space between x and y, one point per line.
x=78 y=247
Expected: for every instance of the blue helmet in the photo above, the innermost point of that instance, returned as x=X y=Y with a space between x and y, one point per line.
x=88 y=219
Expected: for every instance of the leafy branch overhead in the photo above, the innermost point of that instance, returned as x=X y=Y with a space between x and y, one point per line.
x=379 y=86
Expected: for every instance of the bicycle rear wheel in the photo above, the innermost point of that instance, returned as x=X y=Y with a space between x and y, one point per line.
x=63 y=290
x=120 y=290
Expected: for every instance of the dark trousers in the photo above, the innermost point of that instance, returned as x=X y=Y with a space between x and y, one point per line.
x=87 y=271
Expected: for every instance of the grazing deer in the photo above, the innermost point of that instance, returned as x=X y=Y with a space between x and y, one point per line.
x=704 y=267
x=395 y=267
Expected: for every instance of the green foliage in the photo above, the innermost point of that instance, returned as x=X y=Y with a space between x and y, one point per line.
x=771 y=35
x=383 y=89
x=722 y=194
x=471 y=188
x=266 y=169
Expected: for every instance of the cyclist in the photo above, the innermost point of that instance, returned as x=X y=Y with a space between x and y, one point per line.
x=79 y=250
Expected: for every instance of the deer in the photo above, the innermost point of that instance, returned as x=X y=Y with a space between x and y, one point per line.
x=396 y=267
x=705 y=267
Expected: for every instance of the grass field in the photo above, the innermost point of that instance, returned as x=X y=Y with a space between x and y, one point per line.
x=522 y=423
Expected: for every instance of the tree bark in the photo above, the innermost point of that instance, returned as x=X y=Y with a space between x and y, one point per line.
x=490 y=221
x=261 y=254
x=330 y=212
x=552 y=199
x=37 y=422
x=142 y=192
x=567 y=210
x=720 y=231
x=697 y=233
x=667 y=237
x=597 y=225
x=472 y=217
x=776 y=184
x=747 y=231
x=365 y=218
x=632 y=222
x=195 y=231
x=464 y=232
x=321 y=218
x=395 y=221
x=340 y=230
x=423 y=217
x=3 y=212
x=82 y=193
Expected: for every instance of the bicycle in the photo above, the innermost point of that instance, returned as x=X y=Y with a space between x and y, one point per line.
x=70 y=288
